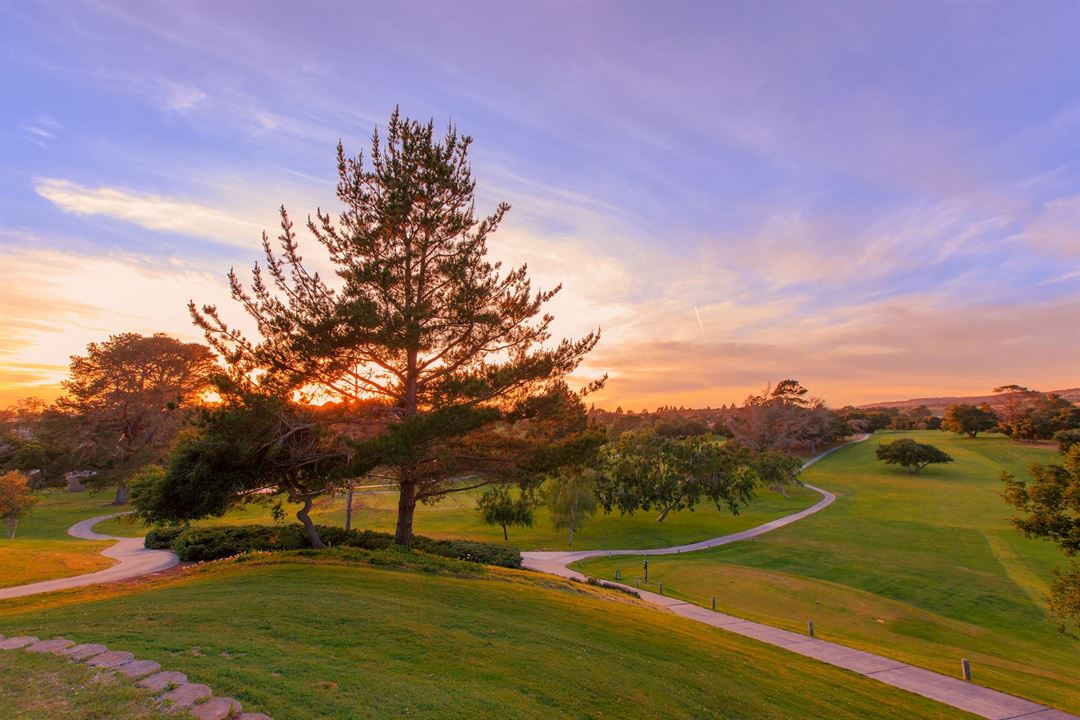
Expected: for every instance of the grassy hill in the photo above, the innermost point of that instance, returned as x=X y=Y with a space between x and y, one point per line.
x=923 y=568
x=371 y=636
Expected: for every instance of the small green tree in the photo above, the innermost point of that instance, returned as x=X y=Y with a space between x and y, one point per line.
x=968 y=419
x=1066 y=439
x=15 y=499
x=1051 y=503
x=498 y=506
x=571 y=500
x=912 y=456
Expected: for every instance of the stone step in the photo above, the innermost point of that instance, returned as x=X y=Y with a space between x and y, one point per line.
x=85 y=651
x=139 y=668
x=187 y=694
x=14 y=643
x=50 y=646
x=111 y=659
x=218 y=708
x=163 y=680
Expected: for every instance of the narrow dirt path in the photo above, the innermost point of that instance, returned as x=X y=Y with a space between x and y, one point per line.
x=961 y=694
x=132 y=559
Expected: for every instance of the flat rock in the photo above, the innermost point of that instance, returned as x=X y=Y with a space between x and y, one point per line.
x=14 y=643
x=138 y=668
x=188 y=694
x=163 y=680
x=84 y=651
x=218 y=708
x=111 y=659
x=253 y=716
x=50 y=646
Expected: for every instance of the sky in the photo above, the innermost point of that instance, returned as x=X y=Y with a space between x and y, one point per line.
x=881 y=200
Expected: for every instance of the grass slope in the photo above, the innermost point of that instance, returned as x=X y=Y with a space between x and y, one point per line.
x=924 y=568
x=310 y=639
x=456 y=517
x=42 y=549
x=36 y=686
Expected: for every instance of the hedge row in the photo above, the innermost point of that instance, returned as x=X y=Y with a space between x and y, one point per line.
x=210 y=543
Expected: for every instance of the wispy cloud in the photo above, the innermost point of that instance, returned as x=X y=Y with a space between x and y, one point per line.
x=153 y=212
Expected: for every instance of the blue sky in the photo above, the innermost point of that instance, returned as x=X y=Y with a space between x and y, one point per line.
x=879 y=199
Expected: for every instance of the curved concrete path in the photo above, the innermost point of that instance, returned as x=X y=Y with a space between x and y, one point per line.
x=974 y=699
x=133 y=560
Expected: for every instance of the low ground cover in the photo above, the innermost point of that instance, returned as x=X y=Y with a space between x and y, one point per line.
x=923 y=568
x=349 y=634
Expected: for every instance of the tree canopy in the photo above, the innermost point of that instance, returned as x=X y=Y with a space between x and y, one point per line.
x=1050 y=501
x=498 y=506
x=418 y=318
x=912 y=456
x=644 y=471
x=968 y=420
x=16 y=500
x=128 y=394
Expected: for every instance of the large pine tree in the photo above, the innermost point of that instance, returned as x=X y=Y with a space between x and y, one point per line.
x=456 y=347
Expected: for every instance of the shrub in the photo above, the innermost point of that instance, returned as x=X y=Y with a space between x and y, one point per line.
x=210 y=543
x=162 y=538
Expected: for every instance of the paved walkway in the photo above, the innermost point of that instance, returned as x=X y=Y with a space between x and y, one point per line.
x=133 y=560
x=975 y=699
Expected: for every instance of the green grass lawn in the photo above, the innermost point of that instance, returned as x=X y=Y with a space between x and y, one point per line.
x=923 y=568
x=456 y=517
x=306 y=640
x=34 y=686
x=42 y=549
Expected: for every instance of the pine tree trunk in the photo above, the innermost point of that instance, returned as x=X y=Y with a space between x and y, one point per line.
x=348 y=504
x=406 y=508
x=121 y=493
x=303 y=515
x=505 y=536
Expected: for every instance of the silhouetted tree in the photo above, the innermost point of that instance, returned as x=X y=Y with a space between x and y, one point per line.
x=128 y=395
x=421 y=318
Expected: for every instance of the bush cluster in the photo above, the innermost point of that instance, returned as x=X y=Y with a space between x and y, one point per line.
x=194 y=544
x=162 y=538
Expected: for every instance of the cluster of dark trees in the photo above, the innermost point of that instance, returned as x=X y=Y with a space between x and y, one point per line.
x=125 y=401
x=1023 y=414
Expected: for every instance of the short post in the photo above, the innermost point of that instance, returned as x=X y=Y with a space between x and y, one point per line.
x=810 y=628
x=965 y=666
x=639 y=582
x=618 y=574
x=661 y=588
x=713 y=602
x=645 y=564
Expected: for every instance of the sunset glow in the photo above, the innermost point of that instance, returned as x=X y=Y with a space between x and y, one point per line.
x=878 y=216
